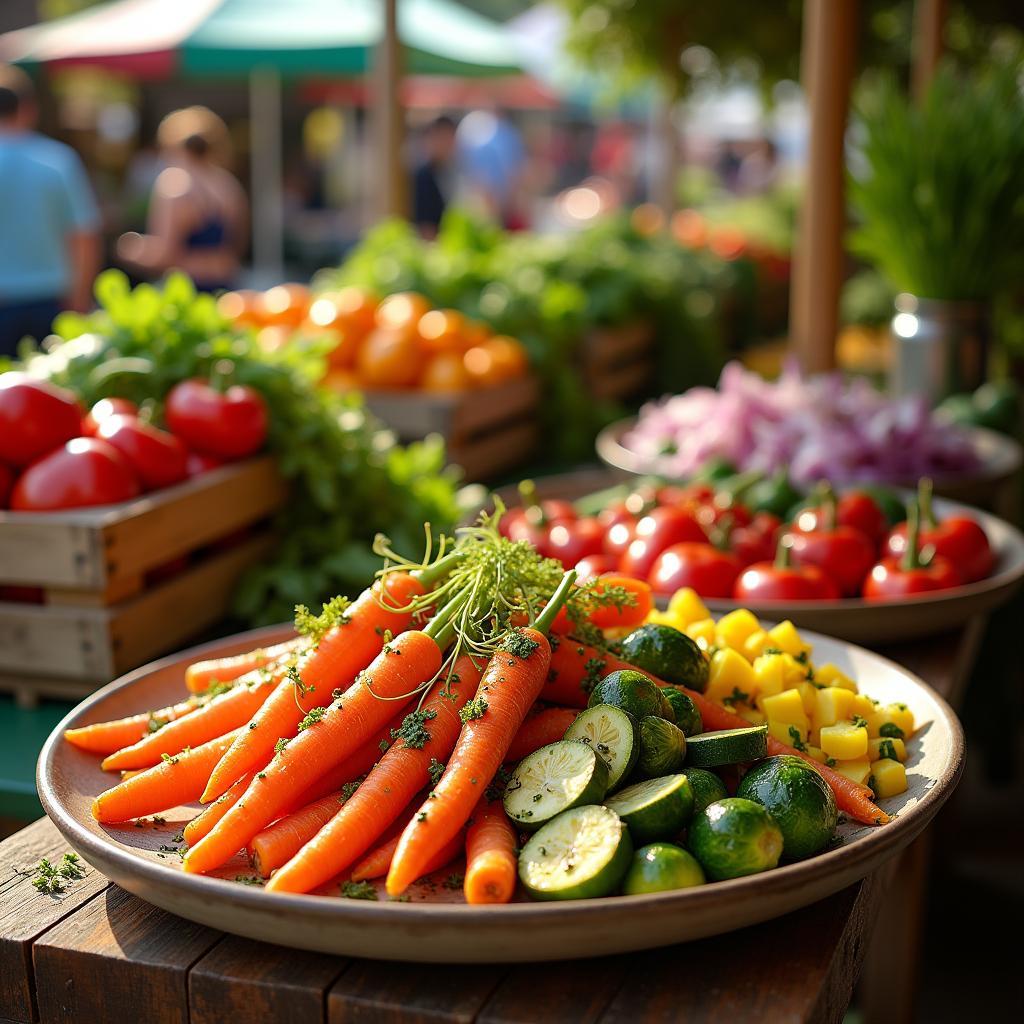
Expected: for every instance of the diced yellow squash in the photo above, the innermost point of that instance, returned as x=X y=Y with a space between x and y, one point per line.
x=888 y=778
x=831 y=675
x=687 y=606
x=796 y=671
x=754 y=645
x=893 y=748
x=786 y=707
x=862 y=705
x=808 y=694
x=702 y=632
x=730 y=674
x=752 y=715
x=831 y=705
x=656 y=615
x=898 y=715
x=844 y=741
x=790 y=733
x=816 y=752
x=814 y=736
x=769 y=671
x=786 y=638
x=858 y=770
x=734 y=628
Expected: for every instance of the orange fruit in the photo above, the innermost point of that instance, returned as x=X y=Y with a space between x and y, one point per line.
x=509 y=356
x=390 y=359
x=401 y=312
x=240 y=307
x=689 y=229
x=475 y=332
x=273 y=337
x=341 y=380
x=285 y=304
x=355 y=308
x=647 y=219
x=441 y=330
x=445 y=371
x=482 y=367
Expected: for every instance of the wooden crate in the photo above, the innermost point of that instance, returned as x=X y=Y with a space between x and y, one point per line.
x=104 y=610
x=617 y=363
x=486 y=432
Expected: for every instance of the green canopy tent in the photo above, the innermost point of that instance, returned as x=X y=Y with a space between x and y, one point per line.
x=266 y=41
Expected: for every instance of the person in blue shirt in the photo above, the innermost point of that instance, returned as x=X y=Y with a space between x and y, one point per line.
x=49 y=221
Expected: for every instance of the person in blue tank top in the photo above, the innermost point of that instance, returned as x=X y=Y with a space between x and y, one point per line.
x=198 y=215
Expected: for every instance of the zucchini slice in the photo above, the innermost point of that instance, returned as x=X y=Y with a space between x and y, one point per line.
x=654 y=809
x=612 y=733
x=728 y=746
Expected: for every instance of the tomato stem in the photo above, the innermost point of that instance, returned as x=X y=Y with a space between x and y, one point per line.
x=532 y=508
x=912 y=556
x=924 y=499
x=784 y=553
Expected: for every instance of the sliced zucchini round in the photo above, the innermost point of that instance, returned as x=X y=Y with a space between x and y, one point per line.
x=654 y=809
x=583 y=853
x=553 y=779
x=727 y=746
x=612 y=733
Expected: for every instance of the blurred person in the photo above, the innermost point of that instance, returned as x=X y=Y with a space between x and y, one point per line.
x=198 y=214
x=491 y=160
x=759 y=169
x=49 y=221
x=433 y=177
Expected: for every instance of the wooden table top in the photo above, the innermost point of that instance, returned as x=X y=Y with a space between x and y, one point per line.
x=96 y=953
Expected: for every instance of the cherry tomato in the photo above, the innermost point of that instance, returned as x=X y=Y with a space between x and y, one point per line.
x=594 y=565
x=889 y=578
x=196 y=463
x=573 y=539
x=750 y=545
x=855 y=509
x=6 y=483
x=105 y=408
x=768 y=581
x=85 y=471
x=712 y=573
x=844 y=555
x=619 y=537
x=722 y=509
x=230 y=424
x=158 y=458
x=690 y=494
x=958 y=539
x=35 y=418
x=655 y=532
x=536 y=534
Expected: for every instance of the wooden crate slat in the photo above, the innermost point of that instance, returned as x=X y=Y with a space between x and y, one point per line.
x=118 y=959
x=36 y=550
x=241 y=980
x=29 y=690
x=484 y=457
x=485 y=410
x=55 y=641
x=25 y=913
x=610 y=346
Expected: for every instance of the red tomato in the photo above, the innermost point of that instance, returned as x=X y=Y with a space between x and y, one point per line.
x=691 y=494
x=231 y=425
x=712 y=573
x=854 y=509
x=767 y=581
x=658 y=530
x=571 y=540
x=594 y=565
x=196 y=463
x=104 y=409
x=6 y=483
x=158 y=458
x=844 y=555
x=535 y=534
x=35 y=418
x=85 y=471
x=755 y=542
x=891 y=579
x=959 y=539
x=618 y=538
x=711 y=513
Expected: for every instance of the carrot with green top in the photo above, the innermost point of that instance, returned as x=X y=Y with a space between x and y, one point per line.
x=491 y=862
x=511 y=683
x=201 y=675
x=201 y=824
x=539 y=730
x=109 y=737
x=353 y=637
x=427 y=736
x=176 y=780
x=327 y=736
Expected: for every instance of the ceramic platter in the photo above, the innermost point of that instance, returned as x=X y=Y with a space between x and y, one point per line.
x=435 y=926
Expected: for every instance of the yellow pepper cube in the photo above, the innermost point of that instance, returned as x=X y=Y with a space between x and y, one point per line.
x=816 y=752
x=755 y=644
x=702 y=632
x=660 y=618
x=786 y=707
x=687 y=607
x=831 y=675
x=809 y=695
x=858 y=770
x=730 y=675
x=734 y=628
x=844 y=741
x=790 y=733
x=898 y=715
x=888 y=778
x=891 y=747
x=831 y=705
x=769 y=671
x=786 y=638
x=752 y=715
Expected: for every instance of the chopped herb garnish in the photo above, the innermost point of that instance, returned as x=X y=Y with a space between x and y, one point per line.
x=413 y=730
x=314 y=627
x=313 y=716
x=359 y=890
x=797 y=738
x=593 y=673
x=422 y=816
x=436 y=770
x=859 y=722
x=891 y=730
x=887 y=749
x=830 y=761
x=475 y=708
x=519 y=644
x=169 y=759
x=350 y=787
x=737 y=696
x=454 y=881
x=280 y=744
x=249 y=880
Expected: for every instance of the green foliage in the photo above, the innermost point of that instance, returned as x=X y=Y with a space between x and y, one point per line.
x=549 y=291
x=348 y=478
x=940 y=200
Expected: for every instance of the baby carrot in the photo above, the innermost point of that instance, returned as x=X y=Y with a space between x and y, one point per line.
x=174 y=781
x=224 y=713
x=341 y=653
x=201 y=824
x=201 y=675
x=539 y=730
x=511 y=683
x=377 y=862
x=108 y=737
x=490 y=855
x=278 y=843
x=426 y=736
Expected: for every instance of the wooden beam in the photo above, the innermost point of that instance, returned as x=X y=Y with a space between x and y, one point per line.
x=392 y=186
x=926 y=46
x=826 y=70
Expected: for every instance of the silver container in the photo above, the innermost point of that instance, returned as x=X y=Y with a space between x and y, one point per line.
x=939 y=346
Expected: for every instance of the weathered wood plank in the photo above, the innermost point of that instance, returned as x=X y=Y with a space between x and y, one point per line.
x=385 y=993
x=244 y=980
x=118 y=958
x=26 y=913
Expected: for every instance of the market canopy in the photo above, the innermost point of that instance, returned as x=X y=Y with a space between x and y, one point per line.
x=160 y=38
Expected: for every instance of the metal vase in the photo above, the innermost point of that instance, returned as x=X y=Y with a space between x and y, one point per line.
x=939 y=346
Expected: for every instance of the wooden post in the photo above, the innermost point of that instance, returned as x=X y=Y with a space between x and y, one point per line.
x=926 y=47
x=390 y=119
x=826 y=69
x=265 y=164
